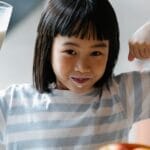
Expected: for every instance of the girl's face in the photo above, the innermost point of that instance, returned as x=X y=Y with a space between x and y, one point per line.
x=78 y=63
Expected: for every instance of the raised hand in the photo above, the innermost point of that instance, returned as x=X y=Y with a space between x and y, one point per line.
x=139 y=44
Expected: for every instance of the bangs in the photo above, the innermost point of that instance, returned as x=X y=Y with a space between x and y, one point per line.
x=84 y=29
x=68 y=21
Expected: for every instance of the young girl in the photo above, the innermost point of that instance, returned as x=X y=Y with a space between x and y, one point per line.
x=75 y=103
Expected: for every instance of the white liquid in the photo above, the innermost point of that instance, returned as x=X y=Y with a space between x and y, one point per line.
x=5 y=14
x=2 y=36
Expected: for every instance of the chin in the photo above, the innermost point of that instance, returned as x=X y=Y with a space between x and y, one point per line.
x=80 y=90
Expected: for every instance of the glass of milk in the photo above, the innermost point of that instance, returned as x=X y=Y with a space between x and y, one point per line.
x=5 y=15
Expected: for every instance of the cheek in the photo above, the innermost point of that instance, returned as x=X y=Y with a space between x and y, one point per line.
x=100 y=65
x=61 y=65
x=65 y=63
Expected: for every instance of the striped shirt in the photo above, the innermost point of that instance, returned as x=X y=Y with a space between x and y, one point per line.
x=63 y=120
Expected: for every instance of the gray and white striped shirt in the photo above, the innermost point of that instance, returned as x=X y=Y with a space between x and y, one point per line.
x=62 y=120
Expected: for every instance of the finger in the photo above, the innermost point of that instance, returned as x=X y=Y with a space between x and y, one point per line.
x=130 y=55
x=137 y=51
x=142 y=51
x=147 y=50
x=145 y=53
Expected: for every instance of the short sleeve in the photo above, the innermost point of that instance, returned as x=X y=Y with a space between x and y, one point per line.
x=134 y=93
x=3 y=111
x=142 y=95
x=5 y=96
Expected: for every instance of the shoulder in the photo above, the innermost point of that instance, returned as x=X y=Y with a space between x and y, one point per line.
x=132 y=76
x=133 y=93
x=17 y=87
x=129 y=84
x=15 y=90
x=132 y=81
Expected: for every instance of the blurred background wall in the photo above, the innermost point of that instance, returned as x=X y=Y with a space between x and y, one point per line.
x=16 y=53
x=21 y=10
x=131 y=15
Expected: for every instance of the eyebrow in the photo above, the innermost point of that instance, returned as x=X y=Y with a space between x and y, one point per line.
x=102 y=44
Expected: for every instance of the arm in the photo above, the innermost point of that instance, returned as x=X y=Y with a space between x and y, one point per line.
x=142 y=132
x=139 y=44
x=139 y=47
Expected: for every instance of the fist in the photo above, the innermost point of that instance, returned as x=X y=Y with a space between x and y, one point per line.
x=139 y=44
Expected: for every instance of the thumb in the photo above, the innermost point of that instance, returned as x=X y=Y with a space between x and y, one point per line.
x=130 y=57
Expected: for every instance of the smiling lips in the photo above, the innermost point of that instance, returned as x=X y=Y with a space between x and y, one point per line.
x=80 y=80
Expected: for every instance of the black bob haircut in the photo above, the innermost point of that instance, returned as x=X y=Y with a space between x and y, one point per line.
x=73 y=18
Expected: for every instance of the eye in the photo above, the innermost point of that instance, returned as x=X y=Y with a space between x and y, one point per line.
x=70 y=52
x=96 y=53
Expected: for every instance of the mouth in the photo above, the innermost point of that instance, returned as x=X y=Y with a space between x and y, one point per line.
x=80 y=80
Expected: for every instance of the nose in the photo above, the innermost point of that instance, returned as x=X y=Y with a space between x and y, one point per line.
x=82 y=65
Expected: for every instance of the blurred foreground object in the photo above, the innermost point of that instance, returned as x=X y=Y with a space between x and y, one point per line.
x=21 y=9
x=5 y=15
x=124 y=146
